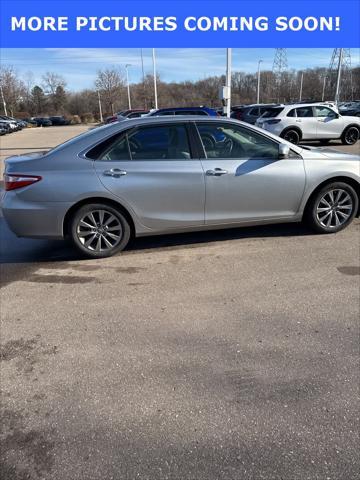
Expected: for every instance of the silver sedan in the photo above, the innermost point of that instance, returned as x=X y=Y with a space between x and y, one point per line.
x=164 y=175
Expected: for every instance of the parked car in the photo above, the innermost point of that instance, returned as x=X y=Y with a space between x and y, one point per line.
x=110 y=184
x=250 y=113
x=59 y=120
x=43 y=121
x=135 y=113
x=30 y=122
x=5 y=127
x=353 y=112
x=310 y=122
x=205 y=111
x=11 y=122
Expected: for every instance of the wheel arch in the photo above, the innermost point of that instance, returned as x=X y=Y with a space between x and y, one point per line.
x=350 y=125
x=351 y=181
x=104 y=200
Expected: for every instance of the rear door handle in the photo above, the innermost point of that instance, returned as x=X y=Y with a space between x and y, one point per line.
x=217 y=172
x=114 y=172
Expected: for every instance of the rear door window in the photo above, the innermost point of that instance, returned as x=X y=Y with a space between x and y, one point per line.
x=145 y=143
x=304 y=112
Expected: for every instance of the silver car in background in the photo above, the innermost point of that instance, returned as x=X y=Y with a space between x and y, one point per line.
x=175 y=174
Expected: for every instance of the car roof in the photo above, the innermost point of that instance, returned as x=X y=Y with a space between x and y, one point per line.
x=317 y=104
x=183 y=108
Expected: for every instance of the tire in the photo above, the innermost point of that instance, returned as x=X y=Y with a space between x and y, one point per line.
x=93 y=229
x=350 y=136
x=291 y=136
x=332 y=208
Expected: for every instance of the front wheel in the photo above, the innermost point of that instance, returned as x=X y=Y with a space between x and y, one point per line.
x=99 y=230
x=291 y=136
x=350 y=136
x=333 y=208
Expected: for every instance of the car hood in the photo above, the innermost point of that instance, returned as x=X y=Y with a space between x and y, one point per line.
x=321 y=152
x=352 y=118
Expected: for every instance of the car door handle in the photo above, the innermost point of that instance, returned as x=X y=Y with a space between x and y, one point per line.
x=217 y=172
x=114 y=172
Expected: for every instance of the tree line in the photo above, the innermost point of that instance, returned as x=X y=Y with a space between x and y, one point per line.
x=25 y=98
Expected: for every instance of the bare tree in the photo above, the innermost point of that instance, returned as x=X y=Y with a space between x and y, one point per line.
x=110 y=83
x=13 y=88
x=51 y=81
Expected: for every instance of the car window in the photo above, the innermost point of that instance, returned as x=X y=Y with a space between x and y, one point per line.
x=160 y=142
x=292 y=113
x=272 y=112
x=145 y=143
x=324 y=112
x=232 y=141
x=254 y=111
x=304 y=112
x=115 y=148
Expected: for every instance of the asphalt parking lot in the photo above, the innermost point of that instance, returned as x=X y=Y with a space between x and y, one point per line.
x=229 y=355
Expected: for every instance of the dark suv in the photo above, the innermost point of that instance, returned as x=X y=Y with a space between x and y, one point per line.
x=250 y=113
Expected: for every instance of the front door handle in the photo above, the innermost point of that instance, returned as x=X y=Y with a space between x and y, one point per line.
x=217 y=172
x=114 y=172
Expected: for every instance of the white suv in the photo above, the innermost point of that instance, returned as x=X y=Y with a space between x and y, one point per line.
x=310 y=122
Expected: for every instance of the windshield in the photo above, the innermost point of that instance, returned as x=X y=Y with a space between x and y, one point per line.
x=272 y=112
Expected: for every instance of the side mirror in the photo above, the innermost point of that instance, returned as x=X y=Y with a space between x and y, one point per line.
x=284 y=151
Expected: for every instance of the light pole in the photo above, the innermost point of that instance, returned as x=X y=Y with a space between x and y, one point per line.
x=143 y=77
x=323 y=90
x=228 y=82
x=258 y=83
x=128 y=84
x=337 y=93
x=154 y=75
x=3 y=99
x=100 y=107
x=301 y=86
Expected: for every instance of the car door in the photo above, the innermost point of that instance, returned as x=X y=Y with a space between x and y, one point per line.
x=151 y=170
x=307 y=122
x=329 y=123
x=245 y=179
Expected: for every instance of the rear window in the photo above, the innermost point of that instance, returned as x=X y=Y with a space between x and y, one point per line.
x=272 y=112
x=292 y=113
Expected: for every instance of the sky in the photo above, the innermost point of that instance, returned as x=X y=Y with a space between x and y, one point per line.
x=79 y=65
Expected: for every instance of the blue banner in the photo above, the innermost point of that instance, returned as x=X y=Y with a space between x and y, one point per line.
x=163 y=23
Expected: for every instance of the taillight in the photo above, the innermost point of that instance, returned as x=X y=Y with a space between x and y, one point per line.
x=16 y=180
x=272 y=122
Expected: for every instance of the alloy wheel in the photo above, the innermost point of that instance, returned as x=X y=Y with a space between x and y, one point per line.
x=99 y=231
x=352 y=136
x=334 y=208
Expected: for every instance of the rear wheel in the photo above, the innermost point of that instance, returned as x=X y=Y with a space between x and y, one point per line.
x=291 y=136
x=332 y=208
x=99 y=230
x=350 y=136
